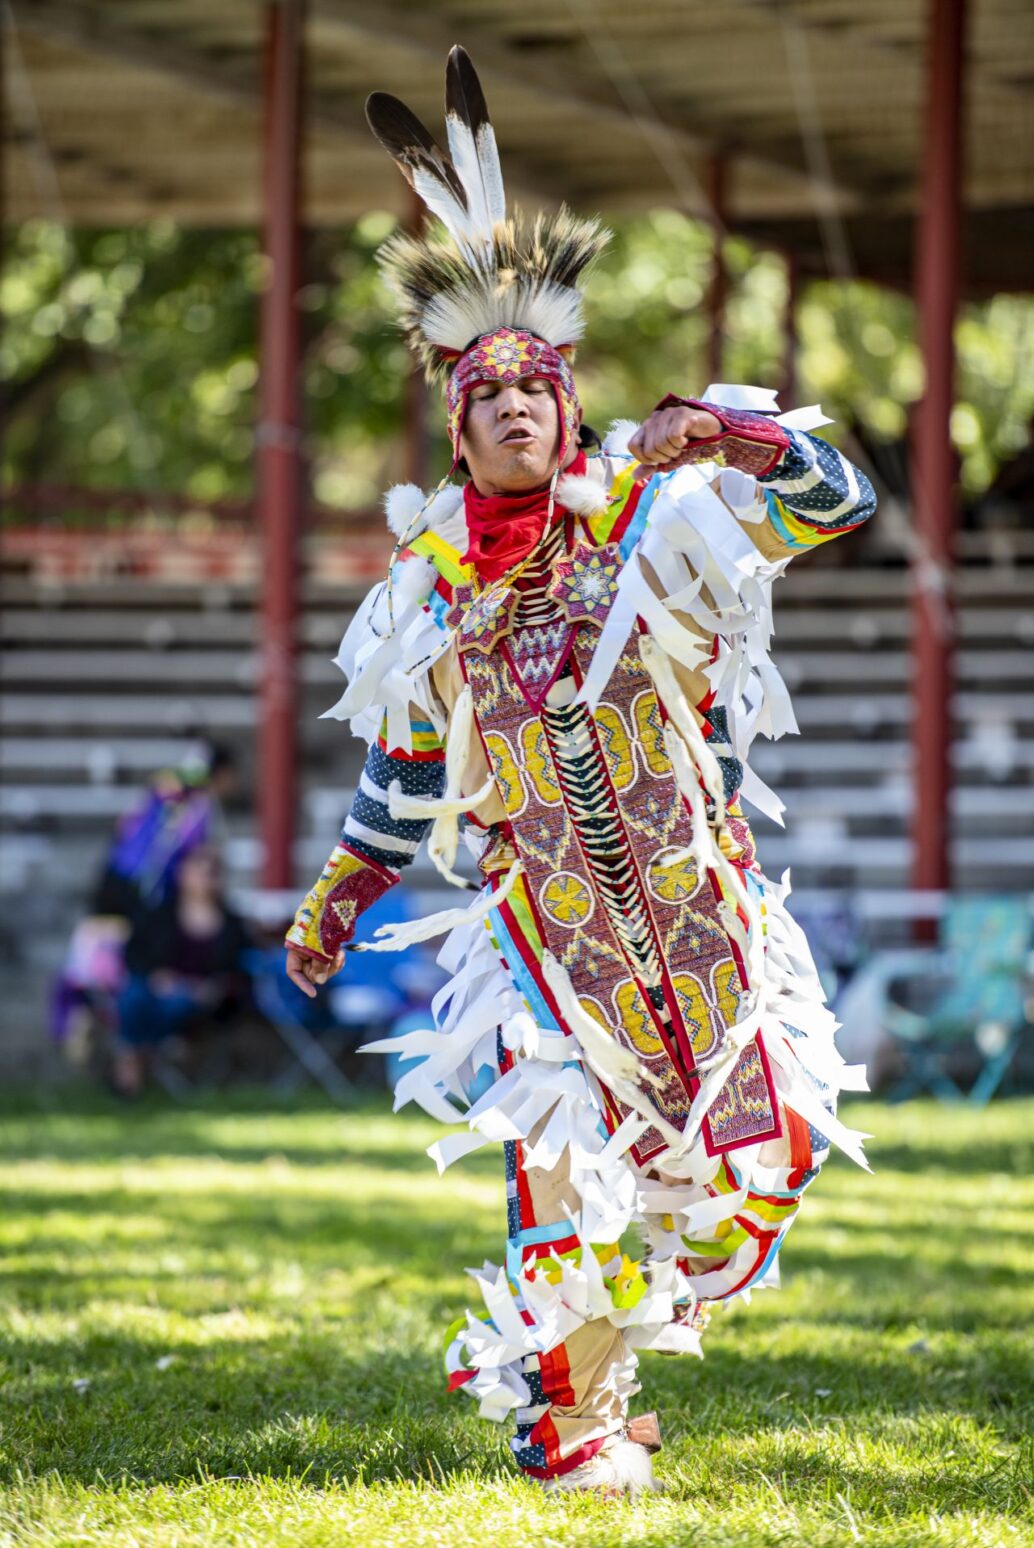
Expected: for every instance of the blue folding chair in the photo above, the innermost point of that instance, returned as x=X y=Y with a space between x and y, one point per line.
x=978 y=988
x=363 y=1000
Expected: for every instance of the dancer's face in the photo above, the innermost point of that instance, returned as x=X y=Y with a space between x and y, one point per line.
x=511 y=435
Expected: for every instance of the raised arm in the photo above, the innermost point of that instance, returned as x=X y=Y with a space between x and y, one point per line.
x=797 y=490
x=373 y=849
x=813 y=494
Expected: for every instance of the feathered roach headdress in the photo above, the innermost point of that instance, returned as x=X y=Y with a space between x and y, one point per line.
x=500 y=300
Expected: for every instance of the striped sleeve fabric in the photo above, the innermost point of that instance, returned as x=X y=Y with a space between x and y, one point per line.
x=374 y=846
x=814 y=493
x=370 y=829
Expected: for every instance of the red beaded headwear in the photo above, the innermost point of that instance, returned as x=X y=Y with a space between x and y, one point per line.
x=508 y=355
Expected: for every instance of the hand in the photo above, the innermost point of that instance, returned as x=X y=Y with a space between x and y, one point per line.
x=307 y=972
x=665 y=435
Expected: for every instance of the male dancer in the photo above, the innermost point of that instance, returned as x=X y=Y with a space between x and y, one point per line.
x=570 y=654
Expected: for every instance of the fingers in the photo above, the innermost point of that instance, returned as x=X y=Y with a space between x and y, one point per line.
x=307 y=972
x=659 y=438
x=300 y=981
x=663 y=437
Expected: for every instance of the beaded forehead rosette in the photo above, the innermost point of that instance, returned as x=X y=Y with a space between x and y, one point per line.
x=510 y=355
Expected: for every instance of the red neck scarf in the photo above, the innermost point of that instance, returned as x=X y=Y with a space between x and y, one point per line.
x=503 y=529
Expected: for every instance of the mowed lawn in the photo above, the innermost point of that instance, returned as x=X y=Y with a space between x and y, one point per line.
x=223 y=1325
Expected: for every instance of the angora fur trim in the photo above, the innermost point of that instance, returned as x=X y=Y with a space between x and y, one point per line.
x=403 y=502
x=618 y=437
x=619 y=1465
x=581 y=494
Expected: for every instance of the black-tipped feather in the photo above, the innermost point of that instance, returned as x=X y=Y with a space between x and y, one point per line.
x=494 y=270
x=409 y=143
x=555 y=249
x=463 y=93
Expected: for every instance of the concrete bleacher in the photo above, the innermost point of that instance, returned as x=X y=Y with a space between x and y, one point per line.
x=103 y=681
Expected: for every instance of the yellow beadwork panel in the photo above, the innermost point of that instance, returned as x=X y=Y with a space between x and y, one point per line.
x=650 y=733
x=616 y=744
x=672 y=879
x=538 y=763
x=728 y=990
x=506 y=773
x=566 y=899
x=636 y=1019
x=696 y=1015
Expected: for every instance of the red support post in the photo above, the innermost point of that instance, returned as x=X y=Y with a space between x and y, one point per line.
x=279 y=443
x=717 y=187
x=933 y=467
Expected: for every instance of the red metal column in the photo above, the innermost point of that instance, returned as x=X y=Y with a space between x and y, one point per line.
x=933 y=473
x=717 y=185
x=279 y=443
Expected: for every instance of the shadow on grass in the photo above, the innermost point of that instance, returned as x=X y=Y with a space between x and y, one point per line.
x=317 y=1406
x=80 y=1124
x=352 y=1386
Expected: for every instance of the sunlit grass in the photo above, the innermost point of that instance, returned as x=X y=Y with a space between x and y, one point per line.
x=223 y=1327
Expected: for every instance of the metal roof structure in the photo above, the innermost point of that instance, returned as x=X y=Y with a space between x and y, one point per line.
x=885 y=138
x=123 y=110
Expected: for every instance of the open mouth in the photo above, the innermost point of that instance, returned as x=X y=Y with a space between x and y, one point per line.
x=519 y=435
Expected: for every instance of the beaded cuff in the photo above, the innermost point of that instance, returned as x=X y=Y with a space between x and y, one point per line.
x=753 y=443
x=348 y=884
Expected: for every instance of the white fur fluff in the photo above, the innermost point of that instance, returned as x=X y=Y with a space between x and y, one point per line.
x=619 y=1464
x=618 y=437
x=401 y=504
x=581 y=494
x=552 y=311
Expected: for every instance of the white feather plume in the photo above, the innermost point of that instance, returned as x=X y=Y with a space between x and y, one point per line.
x=553 y=312
x=476 y=160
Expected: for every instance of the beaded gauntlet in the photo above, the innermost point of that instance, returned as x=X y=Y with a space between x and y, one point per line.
x=753 y=443
x=348 y=884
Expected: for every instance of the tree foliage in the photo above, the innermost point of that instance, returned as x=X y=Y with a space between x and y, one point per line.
x=129 y=357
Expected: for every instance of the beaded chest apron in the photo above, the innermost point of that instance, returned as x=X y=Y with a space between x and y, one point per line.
x=598 y=820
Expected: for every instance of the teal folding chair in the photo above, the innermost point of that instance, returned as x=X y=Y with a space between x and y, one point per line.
x=978 y=986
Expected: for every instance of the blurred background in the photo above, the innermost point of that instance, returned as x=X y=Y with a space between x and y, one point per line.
x=204 y=397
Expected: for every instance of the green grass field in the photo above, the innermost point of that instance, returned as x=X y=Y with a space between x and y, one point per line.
x=223 y=1326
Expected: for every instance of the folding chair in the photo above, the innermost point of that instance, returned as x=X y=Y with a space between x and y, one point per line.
x=355 y=1006
x=977 y=987
x=305 y=1026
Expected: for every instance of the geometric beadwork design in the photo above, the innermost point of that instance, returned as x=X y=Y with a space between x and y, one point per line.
x=598 y=821
x=566 y=899
x=586 y=583
x=481 y=619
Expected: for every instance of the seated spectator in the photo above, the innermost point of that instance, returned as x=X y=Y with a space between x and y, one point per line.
x=184 y=966
x=182 y=807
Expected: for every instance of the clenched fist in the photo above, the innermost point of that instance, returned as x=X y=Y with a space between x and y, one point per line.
x=661 y=439
x=307 y=972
